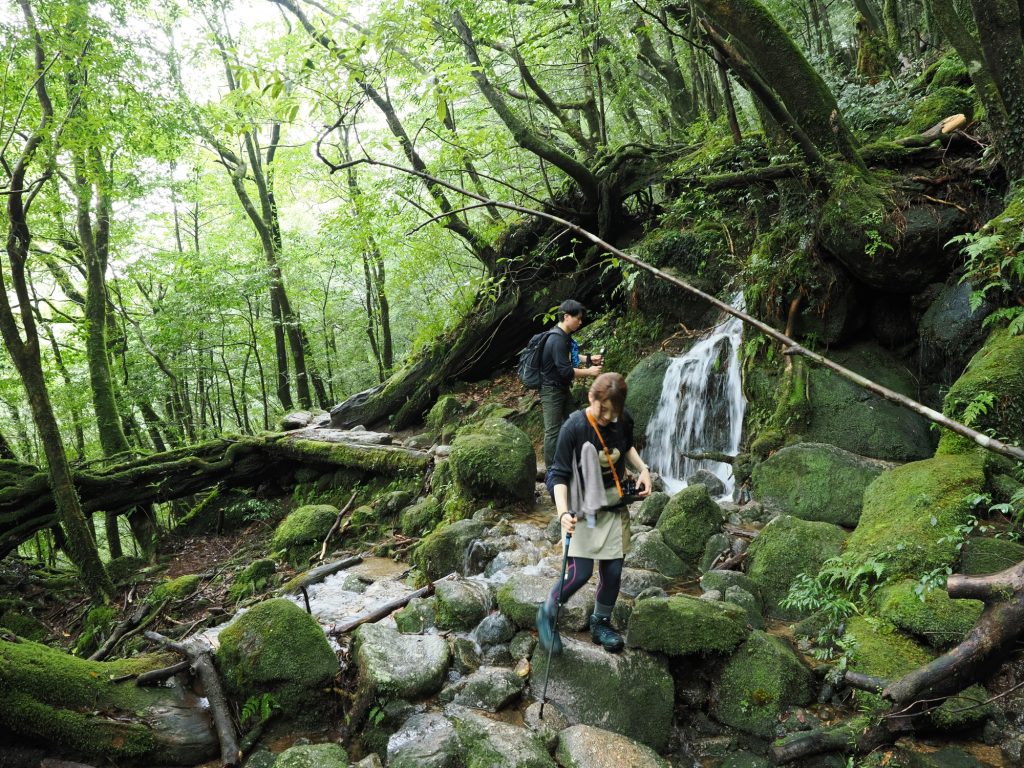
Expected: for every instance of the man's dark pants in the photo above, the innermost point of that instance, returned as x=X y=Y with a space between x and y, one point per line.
x=557 y=405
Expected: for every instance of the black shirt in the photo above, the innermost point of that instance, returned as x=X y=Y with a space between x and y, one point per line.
x=576 y=430
x=556 y=361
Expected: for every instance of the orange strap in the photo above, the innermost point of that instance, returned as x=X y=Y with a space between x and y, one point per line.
x=615 y=475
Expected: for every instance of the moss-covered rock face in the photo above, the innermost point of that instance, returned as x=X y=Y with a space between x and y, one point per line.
x=175 y=589
x=681 y=625
x=421 y=518
x=443 y=418
x=941 y=102
x=303 y=530
x=911 y=514
x=253 y=578
x=815 y=481
x=878 y=649
x=313 y=756
x=276 y=647
x=494 y=460
x=649 y=552
x=52 y=697
x=981 y=556
x=845 y=415
x=462 y=604
x=644 y=392
x=23 y=625
x=785 y=548
x=444 y=550
x=994 y=382
x=688 y=521
x=651 y=508
x=760 y=681
x=936 y=620
x=489 y=743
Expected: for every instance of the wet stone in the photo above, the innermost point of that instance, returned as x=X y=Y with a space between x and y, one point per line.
x=465 y=655
x=489 y=742
x=494 y=630
x=583 y=746
x=497 y=656
x=424 y=741
x=401 y=666
x=489 y=688
x=521 y=646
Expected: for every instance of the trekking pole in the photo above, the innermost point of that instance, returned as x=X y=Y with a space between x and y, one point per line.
x=558 y=608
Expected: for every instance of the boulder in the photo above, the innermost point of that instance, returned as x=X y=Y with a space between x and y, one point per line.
x=785 y=548
x=816 y=481
x=494 y=629
x=951 y=331
x=417 y=616
x=717 y=545
x=494 y=460
x=688 y=520
x=425 y=741
x=583 y=746
x=931 y=617
x=313 y=756
x=444 y=550
x=398 y=666
x=637 y=580
x=723 y=580
x=709 y=480
x=630 y=693
x=879 y=649
x=644 y=392
x=747 y=602
x=651 y=508
x=420 y=518
x=462 y=603
x=981 y=556
x=443 y=417
x=490 y=743
x=912 y=514
x=681 y=625
x=252 y=579
x=521 y=596
x=303 y=531
x=650 y=552
x=488 y=688
x=759 y=682
x=276 y=647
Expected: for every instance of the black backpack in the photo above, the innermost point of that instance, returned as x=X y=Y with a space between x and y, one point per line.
x=531 y=359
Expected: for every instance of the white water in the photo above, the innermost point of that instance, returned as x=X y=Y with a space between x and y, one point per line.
x=700 y=409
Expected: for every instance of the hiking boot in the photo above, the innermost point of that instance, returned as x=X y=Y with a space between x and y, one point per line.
x=547 y=632
x=602 y=634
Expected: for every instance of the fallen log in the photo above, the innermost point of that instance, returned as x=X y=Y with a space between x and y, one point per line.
x=316 y=575
x=142 y=616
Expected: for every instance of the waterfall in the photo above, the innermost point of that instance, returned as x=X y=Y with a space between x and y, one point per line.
x=700 y=409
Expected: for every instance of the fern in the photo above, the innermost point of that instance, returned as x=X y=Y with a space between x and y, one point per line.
x=260 y=707
x=978 y=407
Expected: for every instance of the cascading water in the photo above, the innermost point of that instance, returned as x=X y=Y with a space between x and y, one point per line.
x=700 y=409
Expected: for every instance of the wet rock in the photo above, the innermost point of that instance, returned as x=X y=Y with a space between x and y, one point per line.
x=718 y=544
x=521 y=646
x=709 y=480
x=417 y=617
x=651 y=508
x=313 y=756
x=489 y=688
x=494 y=629
x=948 y=757
x=492 y=743
x=497 y=656
x=400 y=666
x=745 y=760
x=444 y=550
x=548 y=726
x=425 y=741
x=479 y=555
x=370 y=761
x=747 y=602
x=583 y=746
x=680 y=625
x=521 y=596
x=644 y=391
x=951 y=331
x=462 y=603
x=650 y=552
x=465 y=655
x=688 y=520
x=507 y=560
x=637 y=580
x=629 y=693
x=722 y=580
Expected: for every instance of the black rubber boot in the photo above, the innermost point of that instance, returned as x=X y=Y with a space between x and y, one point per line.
x=602 y=634
x=547 y=632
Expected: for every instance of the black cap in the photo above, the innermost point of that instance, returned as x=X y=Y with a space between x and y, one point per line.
x=571 y=307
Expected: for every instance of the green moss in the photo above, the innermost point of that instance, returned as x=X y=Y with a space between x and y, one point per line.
x=879 y=650
x=644 y=391
x=381 y=460
x=857 y=203
x=937 y=620
x=682 y=625
x=688 y=521
x=99 y=621
x=785 y=548
x=125 y=569
x=420 y=518
x=494 y=460
x=24 y=625
x=444 y=550
x=967 y=708
x=949 y=70
x=759 y=682
x=252 y=579
x=175 y=589
x=313 y=756
x=911 y=514
x=303 y=530
x=417 y=616
x=940 y=103
x=443 y=418
x=52 y=697
x=982 y=555
x=994 y=376
x=277 y=647
x=767 y=443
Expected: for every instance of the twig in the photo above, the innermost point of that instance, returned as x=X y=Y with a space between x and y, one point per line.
x=337 y=522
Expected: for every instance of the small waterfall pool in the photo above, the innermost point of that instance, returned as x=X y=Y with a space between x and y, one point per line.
x=701 y=408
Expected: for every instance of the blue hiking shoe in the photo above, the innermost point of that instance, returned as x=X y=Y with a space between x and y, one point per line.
x=602 y=634
x=547 y=632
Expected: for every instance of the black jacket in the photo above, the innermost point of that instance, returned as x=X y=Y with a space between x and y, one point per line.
x=577 y=430
x=555 y=362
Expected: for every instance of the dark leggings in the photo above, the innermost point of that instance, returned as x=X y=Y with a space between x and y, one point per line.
x=578 y=572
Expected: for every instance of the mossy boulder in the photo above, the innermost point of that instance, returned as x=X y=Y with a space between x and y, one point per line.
x=276 y=647
x=494 y=460
x=486 y=742
x=313 y=756
x=815 y=481
x=932 y=616
x=644 y=392
x=175 y=589
x=845 y=415
x=53 y=698
x=981 y=556
x=759 y=682
x=631 y=693
x=303 y=531
x=23 y=625
x=443 y=418
x=521 y=596
x=462 y=604
x=98 y=623
x=397 y=666
x=682 y=625
x=651 y=508
x=940 y=102
x=420 y=518
x=911 y=514
x=949 y=70
x=126 y=569
x=688 y=521
x=650 y=552
x=877 y=648
x=951 y=331
x=785 y=548
x=425 y=740
x=419 y=615
x=583 y=746
x=963 y=710
x=723 y=580
x=253 y=578
x=993 y=388
x=444 y=550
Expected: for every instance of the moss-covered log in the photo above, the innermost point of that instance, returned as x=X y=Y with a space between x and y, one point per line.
x=26 y=505
x=90 y=710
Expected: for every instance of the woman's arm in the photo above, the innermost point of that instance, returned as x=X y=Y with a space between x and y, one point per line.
x=643 y=484
x=562 y=505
